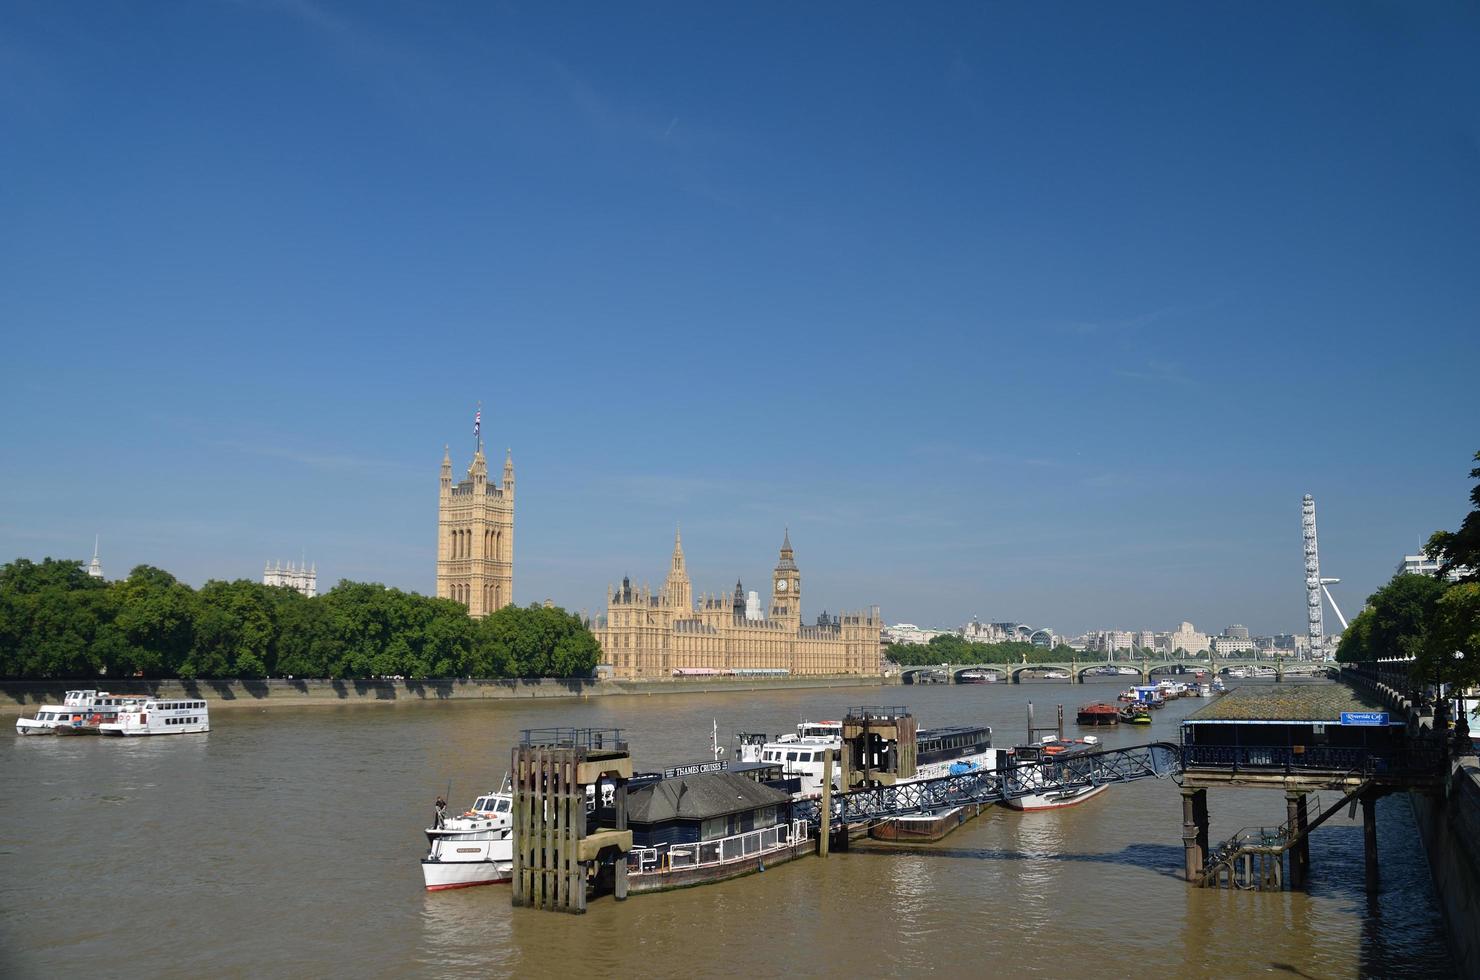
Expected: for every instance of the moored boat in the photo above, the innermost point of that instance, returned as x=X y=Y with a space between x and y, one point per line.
x=474 y=848
x=160 y=716
x=923 y=828
x=1098 y=713
x=1135 y=715
x=1046 y=751
x=81 y=712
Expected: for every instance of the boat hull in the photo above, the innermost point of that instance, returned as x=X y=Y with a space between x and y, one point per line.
x=30 y=726
x=1055 y=801
x=446 y=875
x=923 y=828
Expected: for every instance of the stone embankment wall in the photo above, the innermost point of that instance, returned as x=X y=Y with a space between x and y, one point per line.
x=18 y=696
x=1449 y=825
x=1450 y=828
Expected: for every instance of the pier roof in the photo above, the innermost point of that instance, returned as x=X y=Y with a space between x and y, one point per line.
x=700 y=797
x=1285 y=704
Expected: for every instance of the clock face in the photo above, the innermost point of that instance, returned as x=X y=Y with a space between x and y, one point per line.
x=781 y=585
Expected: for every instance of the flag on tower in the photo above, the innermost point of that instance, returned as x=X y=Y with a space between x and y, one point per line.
x=478 y=422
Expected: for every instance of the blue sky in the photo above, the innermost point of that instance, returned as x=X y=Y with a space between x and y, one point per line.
x=1036 y=312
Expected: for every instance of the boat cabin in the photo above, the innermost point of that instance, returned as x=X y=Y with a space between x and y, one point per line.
x=704 y=807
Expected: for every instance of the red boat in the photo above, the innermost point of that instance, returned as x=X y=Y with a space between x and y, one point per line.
x=1098 y=714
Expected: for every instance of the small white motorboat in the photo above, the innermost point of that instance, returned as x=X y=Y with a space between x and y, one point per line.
x=474 y=848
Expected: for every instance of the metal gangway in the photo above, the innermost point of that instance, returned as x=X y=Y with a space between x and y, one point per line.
x=1156 y=760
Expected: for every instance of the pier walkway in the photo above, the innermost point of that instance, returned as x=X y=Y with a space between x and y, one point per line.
x=1156 y=760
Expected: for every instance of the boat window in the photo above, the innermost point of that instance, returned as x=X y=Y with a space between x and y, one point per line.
x=791 y=757
x=503 y=806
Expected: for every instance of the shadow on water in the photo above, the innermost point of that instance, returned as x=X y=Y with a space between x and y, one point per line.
x=1162 y=859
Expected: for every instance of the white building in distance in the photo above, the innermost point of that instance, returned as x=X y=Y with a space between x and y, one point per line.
x=302 y=578
x=911 y=634
x=1186 y=637
x=1422 y=564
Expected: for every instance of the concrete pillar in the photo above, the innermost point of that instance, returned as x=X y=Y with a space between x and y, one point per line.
x=1369 y=839
x=1194 y=831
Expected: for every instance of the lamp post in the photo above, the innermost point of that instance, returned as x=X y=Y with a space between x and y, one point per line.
x=1462 y=724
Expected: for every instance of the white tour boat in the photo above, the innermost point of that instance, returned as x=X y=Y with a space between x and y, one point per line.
x=476 y=848
x=80 y=713
x=160 y=716
x=802 y=755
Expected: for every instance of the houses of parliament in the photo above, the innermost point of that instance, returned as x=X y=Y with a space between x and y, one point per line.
x=647 y=635
x=475 y=536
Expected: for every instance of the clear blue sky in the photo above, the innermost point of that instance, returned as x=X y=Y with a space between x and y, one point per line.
x=1036 y=312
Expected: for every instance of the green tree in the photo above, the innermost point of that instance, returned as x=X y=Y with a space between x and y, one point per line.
x=1461 y=549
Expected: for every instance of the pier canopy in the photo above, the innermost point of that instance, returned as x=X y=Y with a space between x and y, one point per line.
x=1328 y=728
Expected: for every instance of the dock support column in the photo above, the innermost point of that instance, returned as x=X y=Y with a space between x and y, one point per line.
x=619 y=880
x=1294 y=818
x=1369 y=839
x=1302 y=815
x=1195 y=831
x=824 y=829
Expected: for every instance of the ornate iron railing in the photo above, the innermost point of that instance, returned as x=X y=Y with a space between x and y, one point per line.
x=1157 y=760
x=1357 y=761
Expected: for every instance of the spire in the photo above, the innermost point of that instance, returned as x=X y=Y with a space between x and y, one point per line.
x=678 y=548
x=787 y=562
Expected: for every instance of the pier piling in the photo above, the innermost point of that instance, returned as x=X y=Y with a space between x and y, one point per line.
x=1369 y=840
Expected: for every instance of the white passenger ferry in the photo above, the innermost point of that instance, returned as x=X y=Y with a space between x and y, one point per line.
x=800 y=756
x=81 y=712
x=475 y=848
x=158 y=716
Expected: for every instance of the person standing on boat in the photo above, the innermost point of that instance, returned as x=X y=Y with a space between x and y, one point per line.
x=440 y=806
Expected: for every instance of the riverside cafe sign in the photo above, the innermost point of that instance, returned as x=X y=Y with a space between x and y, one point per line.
x=1378 y=718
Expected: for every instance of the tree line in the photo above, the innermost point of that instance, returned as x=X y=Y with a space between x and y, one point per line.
x=1434 y=621
x=58 y=622
x=948 y=648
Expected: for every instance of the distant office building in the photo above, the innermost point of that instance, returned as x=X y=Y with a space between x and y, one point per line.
x=1422 y=564
x=1117 y=640
x=1146 y=640
x=979 y=632
x=1225 y=646
x=911 y=634
x=301 y=578
x=1237 y=632
x=1185 y=637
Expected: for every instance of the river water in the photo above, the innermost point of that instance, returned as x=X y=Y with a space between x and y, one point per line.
x=285 y=843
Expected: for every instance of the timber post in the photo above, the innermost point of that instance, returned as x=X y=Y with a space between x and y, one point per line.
x=557 y=850
x=1294 y=806
x=1369 y=841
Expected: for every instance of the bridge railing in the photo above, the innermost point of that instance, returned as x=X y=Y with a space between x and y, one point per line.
x=1313 y=758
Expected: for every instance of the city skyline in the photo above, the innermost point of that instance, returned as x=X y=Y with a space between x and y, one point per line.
x=1037 y=314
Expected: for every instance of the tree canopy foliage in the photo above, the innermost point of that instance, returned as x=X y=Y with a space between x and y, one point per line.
x=1424 y=617
x=951 y=649
x=57 y=622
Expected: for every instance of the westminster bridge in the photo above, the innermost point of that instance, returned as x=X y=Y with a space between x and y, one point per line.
x=1143 y=669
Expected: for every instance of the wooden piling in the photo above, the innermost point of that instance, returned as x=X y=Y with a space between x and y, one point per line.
x=1369 y=841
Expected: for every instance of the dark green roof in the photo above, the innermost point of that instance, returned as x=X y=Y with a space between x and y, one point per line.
x=1296 y=703
x=710 y=794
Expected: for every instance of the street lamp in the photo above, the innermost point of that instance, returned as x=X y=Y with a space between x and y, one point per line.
x=1462 y=725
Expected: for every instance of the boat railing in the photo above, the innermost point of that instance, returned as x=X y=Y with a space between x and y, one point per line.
x=722 y=850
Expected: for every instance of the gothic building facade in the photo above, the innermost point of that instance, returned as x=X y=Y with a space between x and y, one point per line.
x=665 y=634
x=475 y=536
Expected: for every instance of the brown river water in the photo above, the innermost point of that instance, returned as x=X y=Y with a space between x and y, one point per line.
x=285 y=844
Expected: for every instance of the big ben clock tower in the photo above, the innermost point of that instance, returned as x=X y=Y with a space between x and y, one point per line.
x=786 y=587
